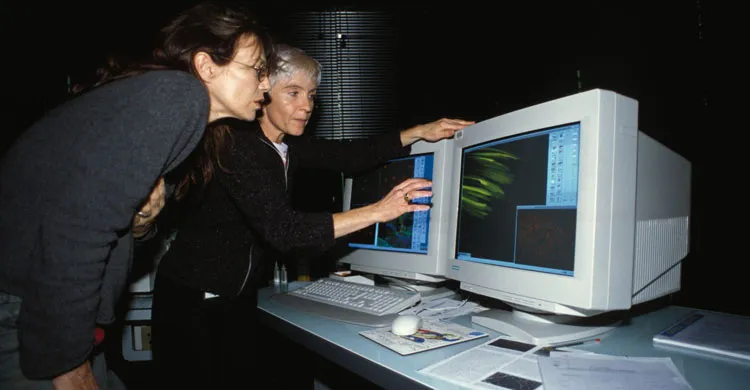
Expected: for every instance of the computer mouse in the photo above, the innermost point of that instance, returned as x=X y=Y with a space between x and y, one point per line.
x=406 y=325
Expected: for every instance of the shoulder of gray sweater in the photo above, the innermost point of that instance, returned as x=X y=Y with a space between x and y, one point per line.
x=177 y=81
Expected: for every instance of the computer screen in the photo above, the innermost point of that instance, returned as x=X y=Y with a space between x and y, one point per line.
x=566 y=211
x=410 y=231
x=413 y=246
x=518 y=201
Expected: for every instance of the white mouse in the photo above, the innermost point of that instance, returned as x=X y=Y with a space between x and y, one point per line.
x=406 y=325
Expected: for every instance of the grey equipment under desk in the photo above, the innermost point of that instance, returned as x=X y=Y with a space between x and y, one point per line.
x=340 y=343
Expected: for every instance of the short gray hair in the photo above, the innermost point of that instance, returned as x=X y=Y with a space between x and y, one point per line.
x=288 y=60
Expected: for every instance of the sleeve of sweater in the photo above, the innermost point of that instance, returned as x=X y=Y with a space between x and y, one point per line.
x=257 y=183
x=112 y=144
x=349 y=156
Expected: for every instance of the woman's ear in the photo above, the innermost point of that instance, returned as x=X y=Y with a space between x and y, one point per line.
x=204 y=66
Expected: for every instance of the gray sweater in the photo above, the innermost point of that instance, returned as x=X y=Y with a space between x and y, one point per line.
x=69 y=188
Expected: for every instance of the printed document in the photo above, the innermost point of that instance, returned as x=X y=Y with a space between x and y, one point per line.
x=501 y=363
x=569 y=371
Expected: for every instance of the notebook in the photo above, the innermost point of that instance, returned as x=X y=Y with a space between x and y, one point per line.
x=706 y=332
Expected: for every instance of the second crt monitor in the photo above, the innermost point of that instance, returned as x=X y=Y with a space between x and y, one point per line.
x=565 y=210
x=413 y=247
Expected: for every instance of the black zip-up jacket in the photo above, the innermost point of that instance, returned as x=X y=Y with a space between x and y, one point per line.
x=245 y=215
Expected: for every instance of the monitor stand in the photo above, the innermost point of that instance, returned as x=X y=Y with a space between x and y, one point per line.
x=543 y=329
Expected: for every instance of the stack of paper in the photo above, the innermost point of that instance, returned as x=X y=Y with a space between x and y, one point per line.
x=444 y=308
x=501 y=363
x=567 y=371
x=505 y=363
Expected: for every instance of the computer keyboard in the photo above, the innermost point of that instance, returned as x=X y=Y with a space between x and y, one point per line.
x=350 y=302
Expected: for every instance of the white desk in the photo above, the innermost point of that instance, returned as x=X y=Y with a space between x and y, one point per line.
x=340 y=343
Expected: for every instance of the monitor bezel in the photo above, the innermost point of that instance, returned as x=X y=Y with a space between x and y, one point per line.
x=605 y=227
x=421 y=266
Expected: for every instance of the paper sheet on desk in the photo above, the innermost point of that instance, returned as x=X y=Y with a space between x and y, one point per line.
x=444 y=308
x=593 y=371
x=502 y=363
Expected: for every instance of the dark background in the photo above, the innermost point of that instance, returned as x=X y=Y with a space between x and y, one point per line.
x=475 y=62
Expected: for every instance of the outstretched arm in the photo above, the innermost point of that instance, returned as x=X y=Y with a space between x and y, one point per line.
x=257 y=183
x=393 y=205
x=354 y=155
x=434 y=131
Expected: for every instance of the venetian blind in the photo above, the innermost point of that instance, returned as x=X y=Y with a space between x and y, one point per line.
x=355 y=49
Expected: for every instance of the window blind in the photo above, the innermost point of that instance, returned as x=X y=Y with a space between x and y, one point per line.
x=355 y=98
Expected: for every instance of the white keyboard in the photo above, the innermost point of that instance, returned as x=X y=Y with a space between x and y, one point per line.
x=374 y=300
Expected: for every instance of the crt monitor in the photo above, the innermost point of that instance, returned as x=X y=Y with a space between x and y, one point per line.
x=565 y=211
x=411 y=248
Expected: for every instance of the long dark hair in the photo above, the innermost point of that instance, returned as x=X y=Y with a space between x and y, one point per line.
x=213 y=27
x=198 y=169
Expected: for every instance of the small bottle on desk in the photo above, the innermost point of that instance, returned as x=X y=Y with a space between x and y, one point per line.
x=276 y=275
x=282 y=279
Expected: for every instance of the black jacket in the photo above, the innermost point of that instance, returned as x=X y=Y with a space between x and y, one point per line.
x=245 y=216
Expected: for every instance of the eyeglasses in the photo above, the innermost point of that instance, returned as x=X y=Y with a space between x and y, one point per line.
x=261 y=72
